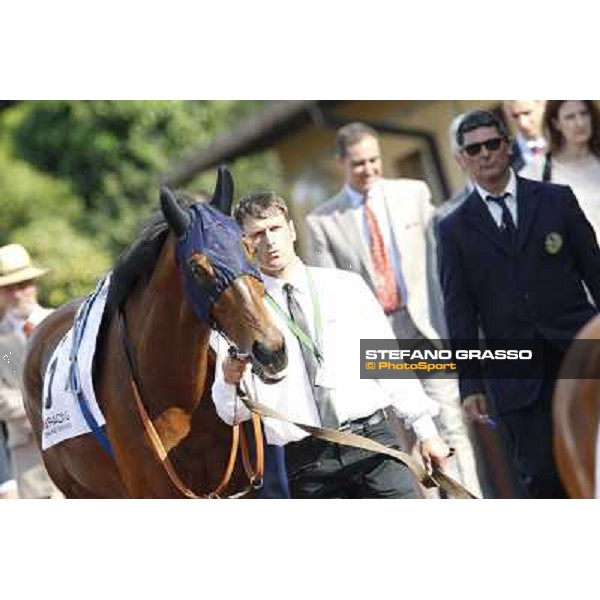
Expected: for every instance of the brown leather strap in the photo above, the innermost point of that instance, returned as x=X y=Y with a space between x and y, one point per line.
x=235 y=443
x=437 y=478
x=157 y=445
x=256 y=475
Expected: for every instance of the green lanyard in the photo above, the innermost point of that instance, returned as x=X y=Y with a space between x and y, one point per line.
x=301 y=335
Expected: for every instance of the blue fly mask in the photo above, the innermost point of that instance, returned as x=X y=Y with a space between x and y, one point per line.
x=210 y=250
x=212 y=246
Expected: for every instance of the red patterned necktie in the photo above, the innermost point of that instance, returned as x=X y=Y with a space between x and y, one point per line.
x=28 y=327
x=385 y=282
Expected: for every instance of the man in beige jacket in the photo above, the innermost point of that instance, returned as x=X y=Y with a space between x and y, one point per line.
x=18 y=293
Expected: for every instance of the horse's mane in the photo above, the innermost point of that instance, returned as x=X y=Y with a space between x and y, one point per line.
x=138 y=261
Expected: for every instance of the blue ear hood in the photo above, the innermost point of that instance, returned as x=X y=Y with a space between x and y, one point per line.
x=219 y=238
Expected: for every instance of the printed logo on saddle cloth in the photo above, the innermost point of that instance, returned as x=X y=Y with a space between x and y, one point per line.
x=68 y=378
x=499 y=359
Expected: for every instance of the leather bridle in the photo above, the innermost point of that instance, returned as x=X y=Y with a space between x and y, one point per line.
x=436 y=478
x=254 y=473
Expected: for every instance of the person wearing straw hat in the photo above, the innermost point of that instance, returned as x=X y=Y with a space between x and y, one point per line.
x=8 y=484
x=18 y=293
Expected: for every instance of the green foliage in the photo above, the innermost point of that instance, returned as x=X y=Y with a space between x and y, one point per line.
x=27 y=194
x=75 y=262
x=77 y=178
x=112 y=152
x=250 y=174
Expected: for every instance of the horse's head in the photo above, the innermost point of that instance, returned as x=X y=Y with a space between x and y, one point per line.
x=223 y=285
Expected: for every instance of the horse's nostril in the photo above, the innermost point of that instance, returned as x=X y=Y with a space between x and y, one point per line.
x=276 y=360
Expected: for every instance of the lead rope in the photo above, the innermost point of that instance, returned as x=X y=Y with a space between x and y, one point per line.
x=155 y=441
x=436 y=479
x=256 y=475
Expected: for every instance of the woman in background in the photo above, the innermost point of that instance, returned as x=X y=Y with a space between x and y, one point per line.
x=573 y=158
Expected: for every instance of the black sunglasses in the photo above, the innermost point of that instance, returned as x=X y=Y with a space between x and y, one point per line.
x=491 y=144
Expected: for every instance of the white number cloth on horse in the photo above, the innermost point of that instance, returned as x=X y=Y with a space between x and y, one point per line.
x=70 y=371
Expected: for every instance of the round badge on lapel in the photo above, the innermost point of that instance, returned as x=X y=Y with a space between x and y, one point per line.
x=553 y=243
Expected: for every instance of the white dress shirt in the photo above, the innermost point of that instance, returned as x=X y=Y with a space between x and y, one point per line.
x=511 y=200
x=349 y=312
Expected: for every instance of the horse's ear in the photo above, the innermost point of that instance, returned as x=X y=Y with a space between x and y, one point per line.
x=223 y=196
x=177 y=217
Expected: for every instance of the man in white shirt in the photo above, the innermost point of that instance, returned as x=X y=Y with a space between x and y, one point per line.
x=19 y=294
x=377 y=227
x=323 y=386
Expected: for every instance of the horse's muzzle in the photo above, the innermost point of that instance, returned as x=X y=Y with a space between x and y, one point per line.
x=269 y=365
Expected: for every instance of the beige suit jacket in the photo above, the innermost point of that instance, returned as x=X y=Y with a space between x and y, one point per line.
x=336 y=241
x=12 y=411
x=32 y=479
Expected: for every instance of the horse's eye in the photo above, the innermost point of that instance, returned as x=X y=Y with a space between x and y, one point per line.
x=202 y=270
x=196 y=268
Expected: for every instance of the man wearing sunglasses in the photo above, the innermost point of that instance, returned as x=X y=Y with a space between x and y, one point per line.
x=514 y=259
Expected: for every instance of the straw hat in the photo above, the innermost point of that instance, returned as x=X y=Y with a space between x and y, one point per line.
x=15 y=265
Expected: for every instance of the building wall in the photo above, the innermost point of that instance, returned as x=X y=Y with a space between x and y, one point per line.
x=313 y=174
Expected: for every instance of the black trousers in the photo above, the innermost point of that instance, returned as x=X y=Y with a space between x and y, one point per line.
x=318 y=469
x=529 y=434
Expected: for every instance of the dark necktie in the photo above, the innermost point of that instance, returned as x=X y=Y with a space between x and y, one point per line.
x=321 y=395
x=507 y=227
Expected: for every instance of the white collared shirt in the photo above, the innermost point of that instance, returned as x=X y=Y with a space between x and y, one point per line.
x=378 y=206
x=511 y=200
x=349 y=312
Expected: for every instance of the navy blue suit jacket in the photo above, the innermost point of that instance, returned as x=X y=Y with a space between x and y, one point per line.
x=522 y=292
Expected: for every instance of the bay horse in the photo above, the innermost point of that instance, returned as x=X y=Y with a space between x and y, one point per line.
x=576 y=413
x=188 y=270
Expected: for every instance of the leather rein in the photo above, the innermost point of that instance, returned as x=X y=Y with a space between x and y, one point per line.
x=436 y=478
x=254 y=473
